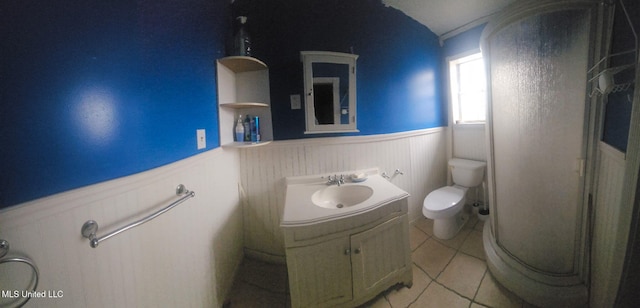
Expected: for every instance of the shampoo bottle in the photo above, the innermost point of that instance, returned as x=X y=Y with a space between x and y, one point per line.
x=240 y=130
x=247 y=129
x=255 y=129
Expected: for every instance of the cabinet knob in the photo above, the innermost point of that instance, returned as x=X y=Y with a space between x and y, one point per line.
x=357 y=251
x=347 y=252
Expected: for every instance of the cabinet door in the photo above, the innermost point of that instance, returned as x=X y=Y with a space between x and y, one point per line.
x=379 y=255
x=320 y=275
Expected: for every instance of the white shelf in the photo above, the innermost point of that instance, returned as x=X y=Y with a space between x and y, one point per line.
x=246 y=144
x=241 y=64
x=241 y=105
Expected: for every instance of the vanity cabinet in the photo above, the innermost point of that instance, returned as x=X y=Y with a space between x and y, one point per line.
x=243 y=88
x=320 y=275
x=348 y=261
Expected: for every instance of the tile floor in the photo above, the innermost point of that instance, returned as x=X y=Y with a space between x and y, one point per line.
x=451 y=273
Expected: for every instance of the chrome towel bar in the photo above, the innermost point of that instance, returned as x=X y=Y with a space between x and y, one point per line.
x=90 y=227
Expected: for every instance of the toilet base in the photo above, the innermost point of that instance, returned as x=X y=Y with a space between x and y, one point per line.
x=448 y=228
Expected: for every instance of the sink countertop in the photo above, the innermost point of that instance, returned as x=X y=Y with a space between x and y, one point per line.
x=299 y=210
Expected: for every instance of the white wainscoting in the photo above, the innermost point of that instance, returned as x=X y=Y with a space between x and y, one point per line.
x=469 y=141
x=421 y=155
x=607 y=211
x=186 y=257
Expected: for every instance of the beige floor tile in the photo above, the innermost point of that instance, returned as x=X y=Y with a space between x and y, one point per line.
x=404 y=296
x=527 y=305
x=493 y=294
x=424 y=224
x=247 y=295
x=463 y=275
x=472 y=245
x=457 y=264
x=457 y=240
x=416 y=237
x=432 y=257
x=379 y=302
x=438 y=296
x=268 y=276
x=472 y=221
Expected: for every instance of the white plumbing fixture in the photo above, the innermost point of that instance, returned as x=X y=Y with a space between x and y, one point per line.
x=444 y=205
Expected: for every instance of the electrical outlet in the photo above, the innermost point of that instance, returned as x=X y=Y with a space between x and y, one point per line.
x=201 y=138
x=295 y=101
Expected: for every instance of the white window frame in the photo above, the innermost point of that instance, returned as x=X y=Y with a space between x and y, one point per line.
x=454 y=92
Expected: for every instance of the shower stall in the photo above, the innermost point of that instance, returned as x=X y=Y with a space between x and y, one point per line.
x=537 y=55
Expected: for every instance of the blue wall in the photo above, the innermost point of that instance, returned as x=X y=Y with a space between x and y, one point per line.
x=398 y=65
x=94 y=90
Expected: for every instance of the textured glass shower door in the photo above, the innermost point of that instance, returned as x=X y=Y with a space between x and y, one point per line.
x=537 y=124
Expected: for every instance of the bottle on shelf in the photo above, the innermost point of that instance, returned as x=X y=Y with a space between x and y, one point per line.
x=240 y=130
x=255 y=129
x=242 y=40
x=247 y=129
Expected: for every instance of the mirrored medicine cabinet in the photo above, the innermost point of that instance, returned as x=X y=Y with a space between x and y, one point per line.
x=329 y=91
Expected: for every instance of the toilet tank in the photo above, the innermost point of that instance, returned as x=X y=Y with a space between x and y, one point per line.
x=467 y=173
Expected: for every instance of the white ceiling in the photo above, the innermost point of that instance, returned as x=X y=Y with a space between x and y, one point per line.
x=442 y=16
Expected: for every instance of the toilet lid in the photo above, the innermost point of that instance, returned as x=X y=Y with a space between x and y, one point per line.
x=443 y=198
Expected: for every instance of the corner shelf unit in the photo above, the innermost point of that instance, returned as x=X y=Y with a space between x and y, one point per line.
x=243 y=88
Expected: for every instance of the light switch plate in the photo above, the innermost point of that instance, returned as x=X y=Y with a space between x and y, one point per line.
x=202 y=138
x=295 y=101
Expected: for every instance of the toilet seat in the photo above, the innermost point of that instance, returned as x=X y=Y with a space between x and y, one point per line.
x=443 y=202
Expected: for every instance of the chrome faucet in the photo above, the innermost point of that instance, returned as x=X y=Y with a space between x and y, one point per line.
x=388 y=177
x=335 y=180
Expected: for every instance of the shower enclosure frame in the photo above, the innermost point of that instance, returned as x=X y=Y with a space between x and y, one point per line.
x=541 y=287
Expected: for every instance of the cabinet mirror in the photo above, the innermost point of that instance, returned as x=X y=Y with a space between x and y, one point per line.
x=329 y=91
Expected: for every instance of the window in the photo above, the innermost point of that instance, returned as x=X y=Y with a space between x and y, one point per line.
x=468 y=89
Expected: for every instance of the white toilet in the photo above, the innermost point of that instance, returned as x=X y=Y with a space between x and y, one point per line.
x=444 y=205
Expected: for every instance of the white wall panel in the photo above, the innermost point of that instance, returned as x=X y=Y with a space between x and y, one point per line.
x=610 y=177
x=185 y=257
x=420 y=155
x=469 y=142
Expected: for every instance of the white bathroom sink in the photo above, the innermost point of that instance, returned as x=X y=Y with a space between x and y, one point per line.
x=309 y=200
x=337 y=197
